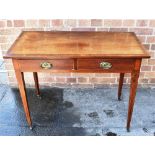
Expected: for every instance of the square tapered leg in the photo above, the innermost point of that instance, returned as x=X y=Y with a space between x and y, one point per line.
x=21 y=83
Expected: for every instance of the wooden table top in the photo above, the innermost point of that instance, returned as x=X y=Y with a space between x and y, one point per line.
x=61 y=44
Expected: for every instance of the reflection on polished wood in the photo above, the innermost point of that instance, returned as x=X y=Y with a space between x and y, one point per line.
x=77 y=44
x=85 y=52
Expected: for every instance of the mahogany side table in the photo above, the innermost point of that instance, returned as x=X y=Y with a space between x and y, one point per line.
x=86 y=52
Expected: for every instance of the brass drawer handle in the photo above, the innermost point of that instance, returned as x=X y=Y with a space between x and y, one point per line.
x=46 y=65
x=105 y=65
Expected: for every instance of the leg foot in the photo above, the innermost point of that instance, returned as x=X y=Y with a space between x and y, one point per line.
x=39 y=96
x=119 y=99
x=128 y=129
x=31 y=128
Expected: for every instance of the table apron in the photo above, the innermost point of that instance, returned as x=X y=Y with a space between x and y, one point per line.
x=77 y=65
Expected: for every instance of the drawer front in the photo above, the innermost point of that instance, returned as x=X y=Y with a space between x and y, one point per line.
x=45 y=65
x=106 y=65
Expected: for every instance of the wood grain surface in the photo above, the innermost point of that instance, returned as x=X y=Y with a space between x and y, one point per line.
x=40 y=44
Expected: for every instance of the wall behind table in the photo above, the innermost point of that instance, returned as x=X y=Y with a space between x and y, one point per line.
x=144 y=29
